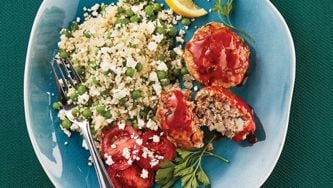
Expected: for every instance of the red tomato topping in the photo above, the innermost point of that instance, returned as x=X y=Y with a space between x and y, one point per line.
x=163 y=150
x=115 y=141
x=217 y=56
x=130 y=178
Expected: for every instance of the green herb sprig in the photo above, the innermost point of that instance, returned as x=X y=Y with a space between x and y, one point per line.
x=225 y=10
x=187 y=167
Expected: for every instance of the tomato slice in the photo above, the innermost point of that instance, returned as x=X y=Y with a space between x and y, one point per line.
x=115 y=141
x=162 y=150
x=130 y=178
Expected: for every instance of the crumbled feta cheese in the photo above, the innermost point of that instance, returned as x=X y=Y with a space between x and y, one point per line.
x=161 y=66
x=126 y=153
x=109 y=160
x=157 y=38
x=144 y=174
x=154 y=162
x=113 y=146
x=84 y=144
x=195 y=88
x=156 y=138
x=121 y=126
x=152 y=46
x=152 y=125
x=139 y=141
x=130 y=62
x=83 y=99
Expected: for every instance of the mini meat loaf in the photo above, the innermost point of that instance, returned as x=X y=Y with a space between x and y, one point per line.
x=217 y=56
x=223 y=111
x=176 y=118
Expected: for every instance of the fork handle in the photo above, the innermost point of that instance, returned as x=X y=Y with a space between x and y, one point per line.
x=102 y=175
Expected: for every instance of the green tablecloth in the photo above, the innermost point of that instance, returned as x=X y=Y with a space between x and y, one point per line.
x=307 y=158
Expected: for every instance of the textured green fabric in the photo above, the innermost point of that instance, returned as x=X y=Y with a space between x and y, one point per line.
x=307 y=158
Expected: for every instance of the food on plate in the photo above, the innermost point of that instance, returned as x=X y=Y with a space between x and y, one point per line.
x=132 y=177
x=223 y=111
x=126 y=56
x=217 y=56
x=176 y=118
x=130 y=59
x=186 y=8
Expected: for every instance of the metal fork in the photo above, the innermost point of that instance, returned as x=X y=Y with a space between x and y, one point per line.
x=69 y=78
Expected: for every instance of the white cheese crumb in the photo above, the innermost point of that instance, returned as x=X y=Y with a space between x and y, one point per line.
x=161 y=66
x=152 y=46
x=130 y=62
x=126 y=153
x=113 y=146
x=195 y=88
x=109 y=160
x=144 y=174
x=152 y=125
x=157 y=38
x=83 y=99
x=139 y=142
x=156 y=138
x=62 y=115
x=121 y=126
x=84 y=144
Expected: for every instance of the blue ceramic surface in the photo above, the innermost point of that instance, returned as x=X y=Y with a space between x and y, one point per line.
x=268 y=91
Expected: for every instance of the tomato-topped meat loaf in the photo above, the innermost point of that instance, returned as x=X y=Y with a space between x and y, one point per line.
x=223 y=111
x=176 y=117
x=217 y=56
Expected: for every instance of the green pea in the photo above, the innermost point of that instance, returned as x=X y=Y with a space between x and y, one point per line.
x=129 y=122
x=103 y=7
x=157 y=7
x=161 y=57
x=107 y=114
x=81 y=89
x=173 y=54
x=136 y=94
x=129 y=72
x=176 y=72
x=184 y=71
x=129 y=12
x=139 y=67
x=172 y=31
x=122 y=101
x=95 y=103
x=186 y=21
x=120 y=10
x=135 y=125
x=56 y=105
x=134 y=19
x=122 y=21
x=161 y=74
x=79 y=70
x=75 y=112
x=67 y=33
x=160 y=30
x=149 y=10
x=87 y=113
x=63 y=54
x=66 y=124
x=86 y=34
x=144 y=112
x=74 y=26
x=100 y=109
x=165 y=82
x=73 y=96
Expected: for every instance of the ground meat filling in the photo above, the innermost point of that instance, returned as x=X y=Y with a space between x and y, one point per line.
x=219 y=115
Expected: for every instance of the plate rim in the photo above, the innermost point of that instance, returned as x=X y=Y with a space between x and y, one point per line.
x=26 y=89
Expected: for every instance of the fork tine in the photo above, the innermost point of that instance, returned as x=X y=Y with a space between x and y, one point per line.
x=75 y=73
x=68 y=74
x=61 y=91
x=57 y=62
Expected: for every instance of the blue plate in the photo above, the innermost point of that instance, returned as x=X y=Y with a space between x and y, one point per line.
x=268 y=91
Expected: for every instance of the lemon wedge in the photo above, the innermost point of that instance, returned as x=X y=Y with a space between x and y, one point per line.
x=186 y=8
